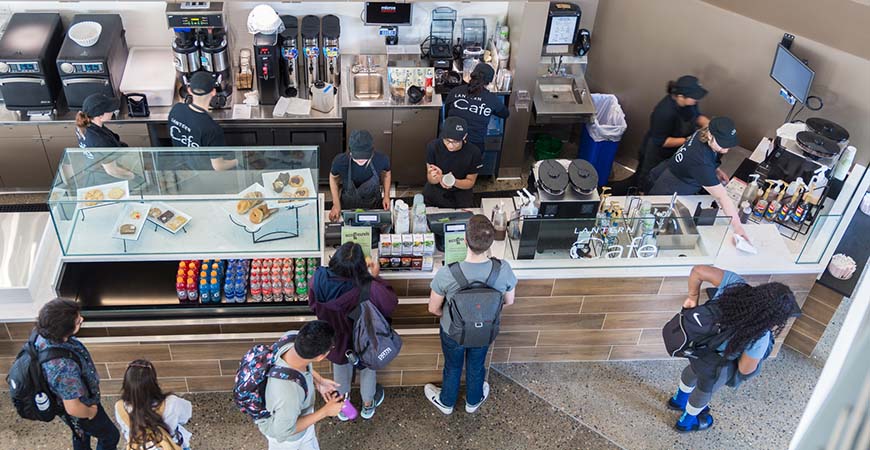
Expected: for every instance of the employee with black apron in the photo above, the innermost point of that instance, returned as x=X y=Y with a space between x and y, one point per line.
x=361 y=172
x=695 y=165
x=91 y=132
x=474 y=103
x=451 y=167
x=191 y=126
x=674 y=118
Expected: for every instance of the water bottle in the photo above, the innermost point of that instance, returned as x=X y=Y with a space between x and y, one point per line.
x=240 y=288
x=229 y=290
x=347 y=409
x=266 y=288
x=352 y=358
x=42 y=402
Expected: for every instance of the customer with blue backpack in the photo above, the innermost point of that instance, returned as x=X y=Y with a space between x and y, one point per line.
x=335 y=293
x=286 y=413
x=725 y=339
x=475 y=291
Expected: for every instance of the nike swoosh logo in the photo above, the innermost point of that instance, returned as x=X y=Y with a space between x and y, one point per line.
x=695 y=315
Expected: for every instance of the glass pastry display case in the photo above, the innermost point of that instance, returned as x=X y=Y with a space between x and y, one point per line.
x=170 y=203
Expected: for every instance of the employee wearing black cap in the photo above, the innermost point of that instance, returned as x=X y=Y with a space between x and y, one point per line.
x=674 y=118
x=451 y=167
x=91 y=131
x=191 y=126
x=362 y=172
x=474 y=103
x=695 y=165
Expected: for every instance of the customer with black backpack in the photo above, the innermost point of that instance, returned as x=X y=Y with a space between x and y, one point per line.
x=725 y=339
x=338 y=292
x=67 y=372
x=475 y=291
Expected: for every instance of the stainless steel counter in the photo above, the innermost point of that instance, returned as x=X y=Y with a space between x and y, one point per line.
x=349 y=101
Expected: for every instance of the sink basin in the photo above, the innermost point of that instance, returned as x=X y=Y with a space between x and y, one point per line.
x=677 y=232
x=559 y=90
x=368 y=86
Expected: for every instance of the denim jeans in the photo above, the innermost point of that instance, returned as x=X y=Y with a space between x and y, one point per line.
x=100 y=427
x=475 y=371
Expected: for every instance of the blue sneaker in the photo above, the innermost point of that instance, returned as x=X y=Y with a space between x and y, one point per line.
x=369 y=411
x=689 y=423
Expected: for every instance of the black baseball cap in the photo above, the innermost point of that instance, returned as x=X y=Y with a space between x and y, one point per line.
x=201 y=83
x=98 y=104
x=361 y=144
x=689 y=86
x=723 y=130
x=484 y=71
x=455 y=128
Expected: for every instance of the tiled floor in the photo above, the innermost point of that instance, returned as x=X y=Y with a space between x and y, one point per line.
x=512 y=418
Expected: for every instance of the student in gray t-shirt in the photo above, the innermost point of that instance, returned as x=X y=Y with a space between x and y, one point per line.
x=476 y=268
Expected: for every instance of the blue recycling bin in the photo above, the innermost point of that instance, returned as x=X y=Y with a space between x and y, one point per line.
x=600 y=139
x=600 y=154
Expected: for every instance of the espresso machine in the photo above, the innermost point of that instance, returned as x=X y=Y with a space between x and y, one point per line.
x=267 y=67
x=311 y=48
x=201 y=43
x=331 y=29
x=290 y=74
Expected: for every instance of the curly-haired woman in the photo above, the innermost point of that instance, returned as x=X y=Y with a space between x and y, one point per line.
x=752 y=316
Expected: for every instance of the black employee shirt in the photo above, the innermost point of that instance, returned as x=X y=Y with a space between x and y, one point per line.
x=194 y=128
x=359 y=174
x=476 y=110
x=98 y=136
x=669 y=120
x=695 y=163
x=461 y=163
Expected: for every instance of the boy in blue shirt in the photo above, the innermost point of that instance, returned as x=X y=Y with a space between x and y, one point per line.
x=754 y=315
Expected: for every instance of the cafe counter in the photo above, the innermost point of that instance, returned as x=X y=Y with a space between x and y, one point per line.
x=603 y=308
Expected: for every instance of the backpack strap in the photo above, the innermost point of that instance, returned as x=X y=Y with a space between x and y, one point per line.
x=365 y=295
x=284 y=340
x=494 y=272
x=456 y=271
x=286 y=373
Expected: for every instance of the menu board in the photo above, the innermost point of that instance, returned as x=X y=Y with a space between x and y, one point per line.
x=360 y=235
x=562 y=30
x=455 y=249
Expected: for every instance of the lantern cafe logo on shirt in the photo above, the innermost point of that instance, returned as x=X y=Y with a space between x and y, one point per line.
x=462 y=103
x=636 y=249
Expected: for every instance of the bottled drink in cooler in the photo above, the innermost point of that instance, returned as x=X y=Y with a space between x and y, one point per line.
x=266 y=288
x=240 y=288
x=192 y=292
x=229 y=290
x=204 y=296
x=214 y=290
x=181 y=289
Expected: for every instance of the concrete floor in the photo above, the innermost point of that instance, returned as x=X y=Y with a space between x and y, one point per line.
x=513 y=418
x=625 y=401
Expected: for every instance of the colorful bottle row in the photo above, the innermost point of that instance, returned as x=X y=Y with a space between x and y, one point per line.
x=281 y=279
x=239 y=280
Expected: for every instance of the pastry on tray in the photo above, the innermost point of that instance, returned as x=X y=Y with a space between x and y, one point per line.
x=296 y=181
x=165 y=217
x=260 y=213
x=301 y=192
x=278 y=186
x=136 y=215
x=251 y=199
x=93 y=194
x=127 y=229
x=116 y=193
x=154 y=213
x=176 y=223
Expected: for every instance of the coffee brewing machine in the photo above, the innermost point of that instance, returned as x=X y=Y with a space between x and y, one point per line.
x=311 y=48
x=201 y=43
x=291 y=76
x=267 y=66
x=29 y=78
x=331 y=30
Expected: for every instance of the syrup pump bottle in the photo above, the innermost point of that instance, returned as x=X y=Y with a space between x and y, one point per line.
x=774 y=205
x=761 y=204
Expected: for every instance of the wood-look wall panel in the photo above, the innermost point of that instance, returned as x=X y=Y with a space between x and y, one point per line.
x=675 y=285
x=544 y=305
x=161 y=331
x=5 y=364
x=821 y=293
x=631 y=303
x=607 y=286
x=412 y=310
x=10 y=348
x=399 y=286
x=644 y=352
x=817 y=310
x=229 y=366
x=797 y=283
x=624 y=321
x=589 y=337
x=384 y=378
x=173 y=368
x=651 y=336
x=265 y=327
x=107 y=353
x=499 y=355
x=418 y=288
x=516 y=339
x=19 y=330
x=421 y=344
x=93 y=332
x=211 y=384
x=800 y=342
x=564 y=353
x=809 y=327
x=210 y=350
x=404 y=361
x=176 y=385
x=421 y=377
x=553 y=322
x=535 y=288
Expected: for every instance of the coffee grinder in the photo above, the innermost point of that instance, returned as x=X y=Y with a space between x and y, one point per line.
x=331 y=29
x=201 y=43
x=290 y=74
x=267 y=67
x=311 y=48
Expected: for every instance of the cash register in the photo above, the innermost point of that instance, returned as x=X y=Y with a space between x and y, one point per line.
x=380 y=220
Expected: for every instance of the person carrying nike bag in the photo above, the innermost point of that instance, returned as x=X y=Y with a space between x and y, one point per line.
x=724 y=339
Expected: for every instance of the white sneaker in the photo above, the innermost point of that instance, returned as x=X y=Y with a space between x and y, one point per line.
x=471 y=409
x=433 y=394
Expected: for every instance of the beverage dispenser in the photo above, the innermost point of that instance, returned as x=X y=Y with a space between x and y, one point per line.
x=311 y=47
x=267 y=67
x=331 y=31
x=290 y=74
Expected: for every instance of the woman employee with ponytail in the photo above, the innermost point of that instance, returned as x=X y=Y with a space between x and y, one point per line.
x=474 y=103
x=91 y=131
